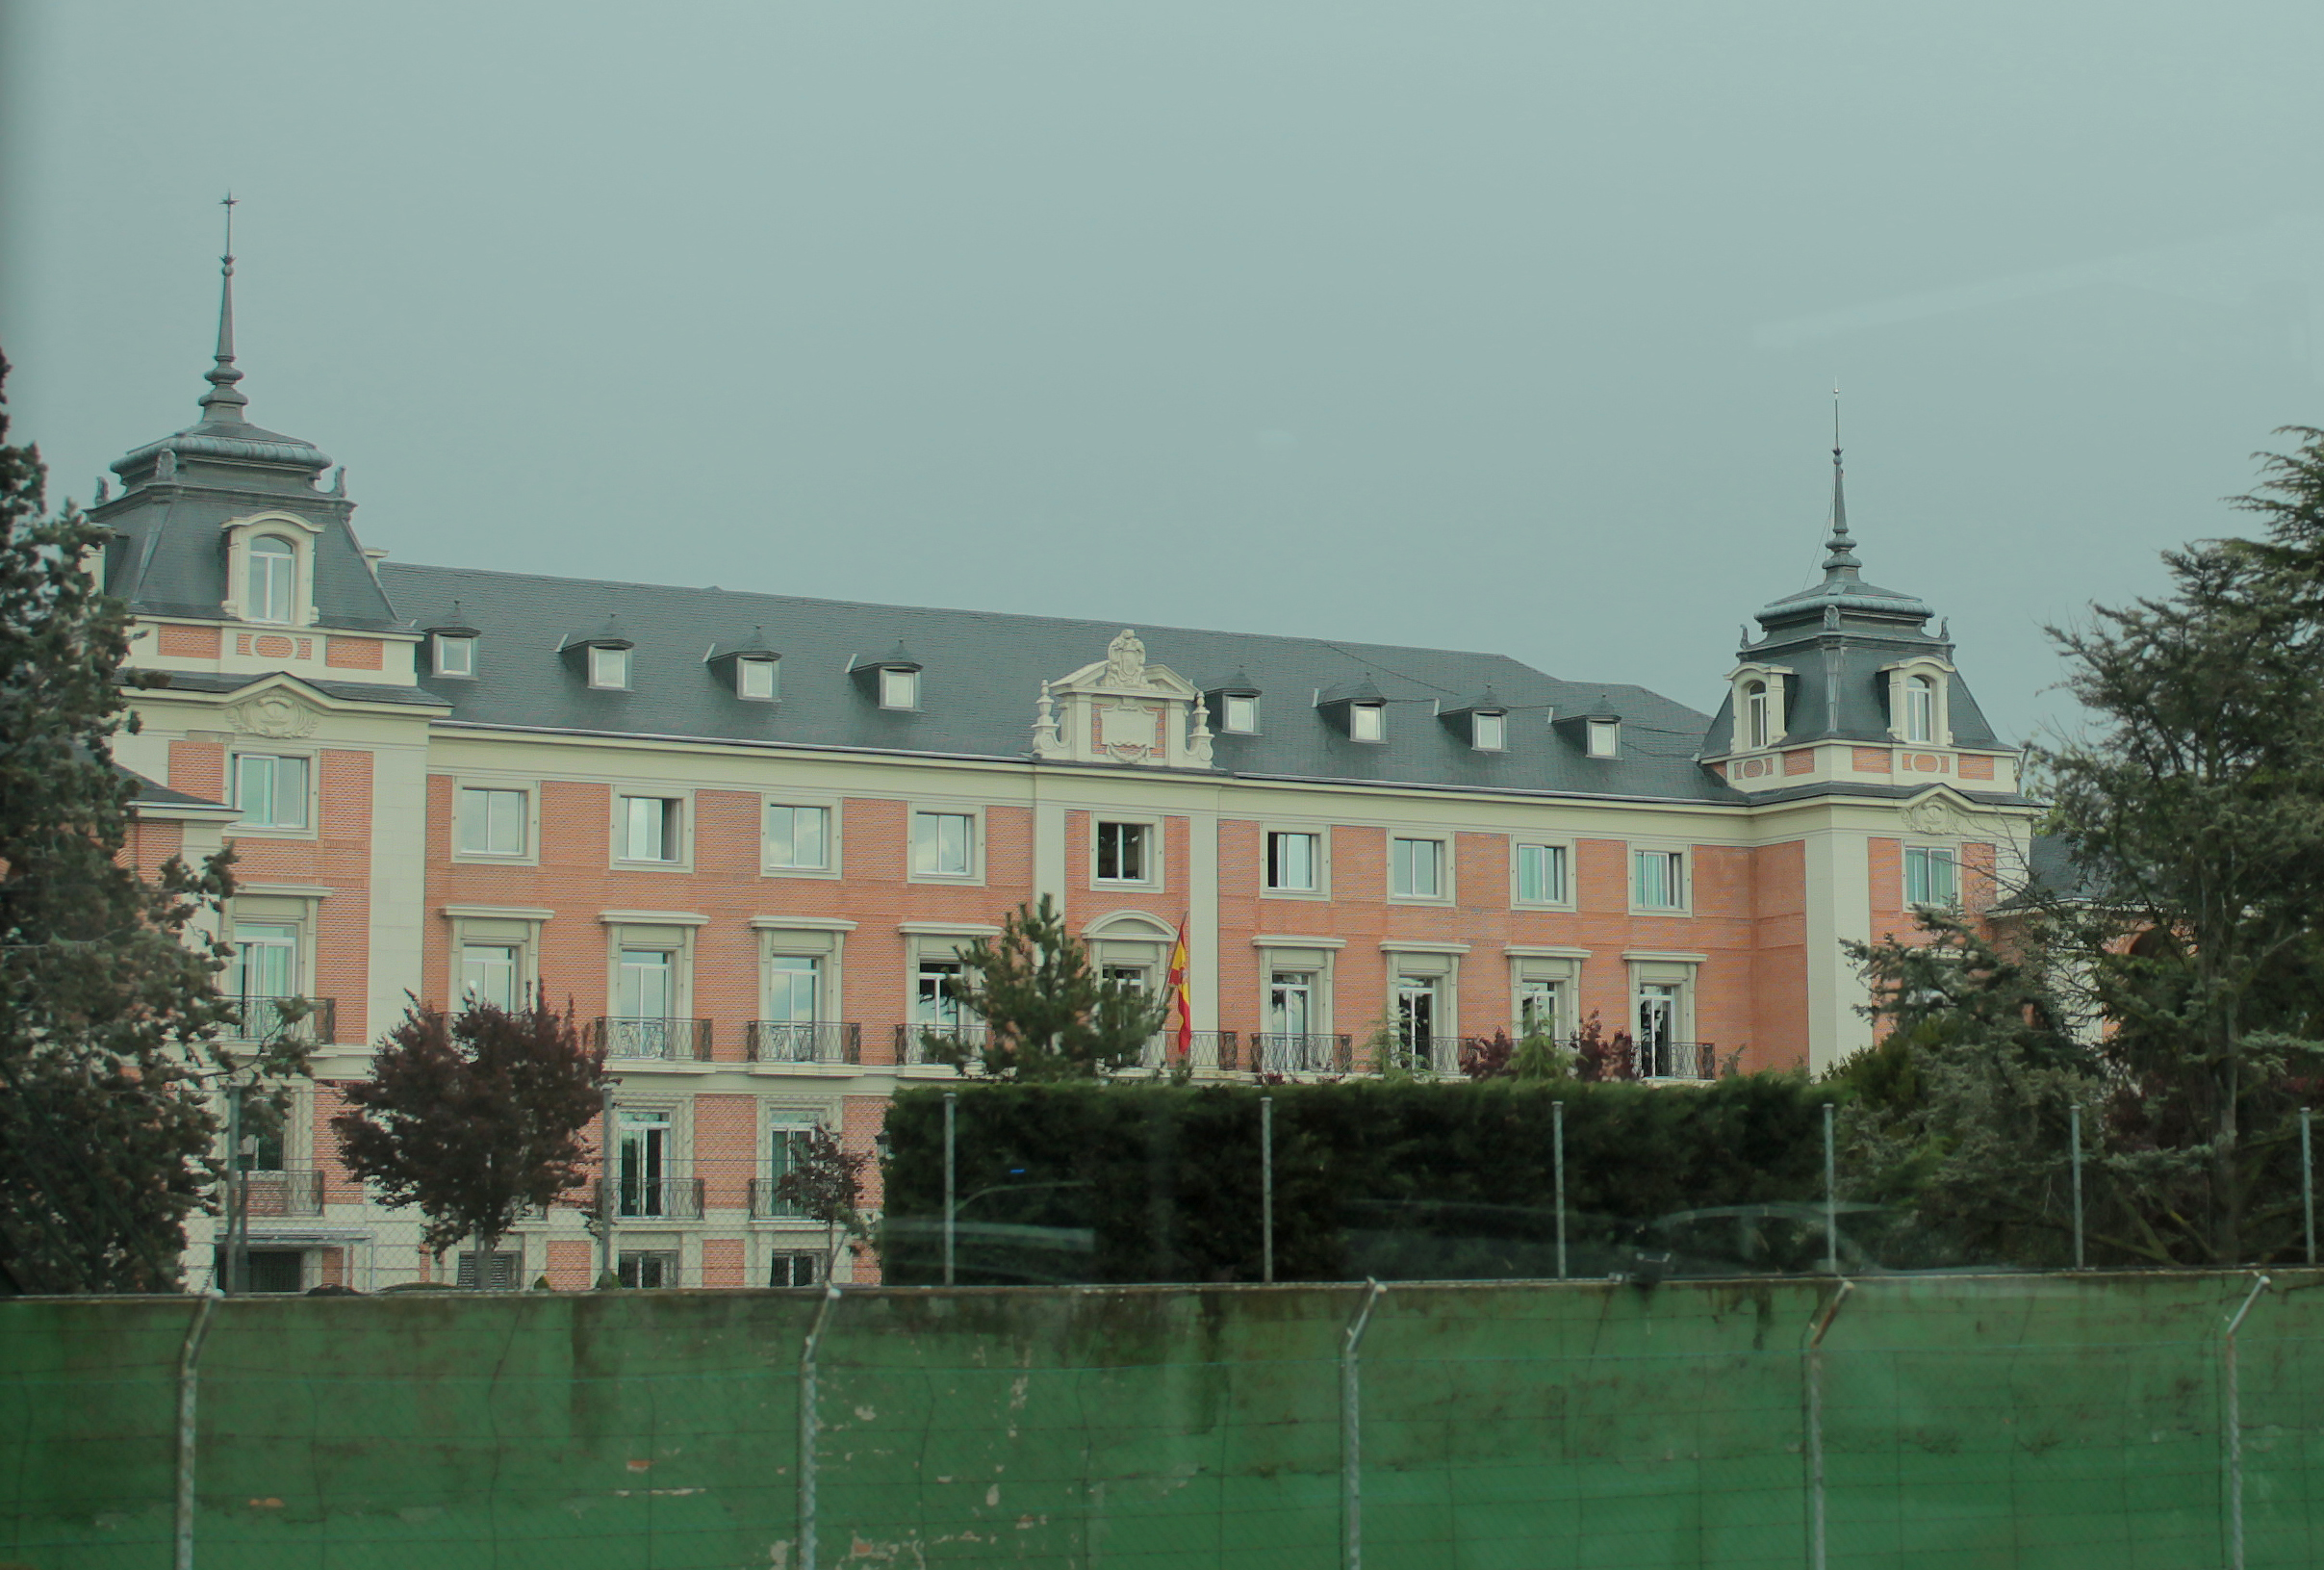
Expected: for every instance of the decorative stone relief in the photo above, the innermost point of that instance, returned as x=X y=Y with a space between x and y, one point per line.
x=274 y=715
x=1121 y=710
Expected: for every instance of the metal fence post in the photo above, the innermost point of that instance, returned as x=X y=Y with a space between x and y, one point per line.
x=811 y=1426
x=1351 y=1435
x=2073 y=1132
x=1832 y=1196
x=189 y=1372
x=1266 y=1189
x=1557 y=1141
x=950 y=1149
x=1813 y=1355
x=2234 y=1432
x=2308 y=1187
x=609 y=1268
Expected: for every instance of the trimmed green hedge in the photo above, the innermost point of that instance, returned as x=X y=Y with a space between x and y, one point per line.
x=1145 y=1182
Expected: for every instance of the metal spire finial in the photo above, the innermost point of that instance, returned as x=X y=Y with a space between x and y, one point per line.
x=1841 y=561
x=224 y=400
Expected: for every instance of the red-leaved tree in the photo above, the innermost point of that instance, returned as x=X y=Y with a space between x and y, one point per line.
x=474 y=1119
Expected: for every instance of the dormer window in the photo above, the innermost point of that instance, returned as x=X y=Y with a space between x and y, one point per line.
x=1920 y=708
x=899 y=689
x=455 y=654
x=1605 y=738
x=754 y=679
x=273 y=579
x=1239 y=713
x=608 y=667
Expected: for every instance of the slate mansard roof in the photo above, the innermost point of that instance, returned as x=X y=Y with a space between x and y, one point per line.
x=982 y=676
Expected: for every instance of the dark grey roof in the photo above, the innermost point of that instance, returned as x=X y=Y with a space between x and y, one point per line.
x=354 y=692
x=982 y=677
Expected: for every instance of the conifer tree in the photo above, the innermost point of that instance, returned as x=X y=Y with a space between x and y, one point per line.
x=1046 y=1013
x=109 y=1009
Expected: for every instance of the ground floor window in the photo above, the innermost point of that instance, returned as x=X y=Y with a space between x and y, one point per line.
x=649 y=1270
x=795 y=1270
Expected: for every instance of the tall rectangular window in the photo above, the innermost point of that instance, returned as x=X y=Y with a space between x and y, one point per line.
x=799 y=838
x=643 y=988
x=1541 y=874
x=1291 y=861
x=943 y=845
x=1932 y=877
x=1658 y=880
x=1417 y=869
x=650 y=829
x=270 y=792
x=932 y=1003
x=488 y=974
x=492 y=822
x=794 y=988
x=1122 y=852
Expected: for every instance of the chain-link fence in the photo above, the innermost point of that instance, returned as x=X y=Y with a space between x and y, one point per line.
x=2013 y=1421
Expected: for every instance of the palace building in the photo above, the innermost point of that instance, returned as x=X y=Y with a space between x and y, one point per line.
x=747 y=833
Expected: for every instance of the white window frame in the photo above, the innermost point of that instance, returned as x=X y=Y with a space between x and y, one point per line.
x=759 y=668
x=1684 y=855
x=311 y=805
x=530 y=854
x=292 y=530
x=896 y=683
x=828 y=807
x=680 y=838
x=445 y=645
x=611 y=668
x=1564 y=899
x=1951 y=855
x=976 y=843
x=1150 y=831
x=1321 y=837
x=1443 y=844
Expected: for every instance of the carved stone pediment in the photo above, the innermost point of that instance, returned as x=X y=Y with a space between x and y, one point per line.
x=276 y=714
x=1123 y=710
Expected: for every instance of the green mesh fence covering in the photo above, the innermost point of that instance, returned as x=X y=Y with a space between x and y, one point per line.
x=1973 y=1421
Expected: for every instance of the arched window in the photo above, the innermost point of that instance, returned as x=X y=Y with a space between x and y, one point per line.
x=1758 y=720
x=273 y=564
x=1920 y=708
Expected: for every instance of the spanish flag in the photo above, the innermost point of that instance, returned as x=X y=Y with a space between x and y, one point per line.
x=1178 y=992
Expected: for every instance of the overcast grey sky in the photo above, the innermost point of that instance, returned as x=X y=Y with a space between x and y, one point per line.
x=1493 y=326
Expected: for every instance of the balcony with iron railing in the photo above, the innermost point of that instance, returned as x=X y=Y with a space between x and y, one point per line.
x=678 y=1040
x=799 y=1040
x=308 y=1020
x=260 y=1193
x=1301 y=1052
x=656 y=1198
x=767 y=1206
x=910 y=1048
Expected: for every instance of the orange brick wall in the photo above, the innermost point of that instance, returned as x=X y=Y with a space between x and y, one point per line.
x=186 y=642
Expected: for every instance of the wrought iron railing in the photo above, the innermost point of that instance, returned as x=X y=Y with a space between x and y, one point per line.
x=1678 y=1060
x=310 y=1019
x=1278 y=1052
x=668 y=1198
x=292 y=1192
x=910 y=1048
x=684 y=1041
x=1205 y=1049
x=801 y=1041
x=767 y=1206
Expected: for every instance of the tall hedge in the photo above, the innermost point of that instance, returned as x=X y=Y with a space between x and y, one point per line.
x=1161 y=1183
